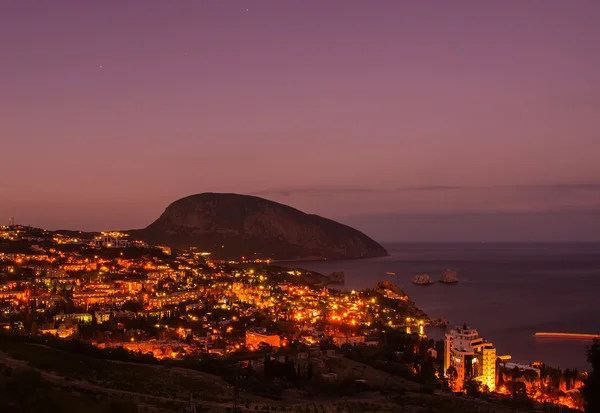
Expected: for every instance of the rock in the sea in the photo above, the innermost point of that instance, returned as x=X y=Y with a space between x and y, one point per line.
x=422 y=279
x=449 y=277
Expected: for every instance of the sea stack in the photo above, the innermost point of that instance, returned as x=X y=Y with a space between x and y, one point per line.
x=422 y=279
x=448 y=277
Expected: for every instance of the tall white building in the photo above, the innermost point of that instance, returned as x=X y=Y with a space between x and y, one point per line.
x=472 y=357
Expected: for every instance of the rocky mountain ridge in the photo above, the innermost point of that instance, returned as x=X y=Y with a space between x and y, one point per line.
x=234 y=226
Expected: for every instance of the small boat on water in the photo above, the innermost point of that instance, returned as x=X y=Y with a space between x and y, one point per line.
x=422 y=279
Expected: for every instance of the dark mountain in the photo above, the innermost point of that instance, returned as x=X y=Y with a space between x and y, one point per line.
x=232 y=226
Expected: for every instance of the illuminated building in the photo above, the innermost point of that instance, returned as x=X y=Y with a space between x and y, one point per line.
x=102 y=316
x=62 y=331
x=8 y=286
x=471 y=356
x=129 y=285
x=80 y=317
x=17 y=295
x=112 y=240
x=41 y=301
x=55 y=273
x=255 y=336
x=165 y=250
x=484 y=365
x=521 y=367
x=174 y=298
x=155 y=313
x=353 y=340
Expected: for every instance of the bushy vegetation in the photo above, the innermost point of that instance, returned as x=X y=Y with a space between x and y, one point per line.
x=25 y=391
x=167 y=381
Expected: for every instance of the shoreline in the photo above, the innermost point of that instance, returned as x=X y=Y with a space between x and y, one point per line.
x=502 y=274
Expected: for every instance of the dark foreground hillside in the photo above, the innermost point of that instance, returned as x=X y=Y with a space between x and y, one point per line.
x=39 y=378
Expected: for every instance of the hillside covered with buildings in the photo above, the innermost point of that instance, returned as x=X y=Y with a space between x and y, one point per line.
x=273 y=335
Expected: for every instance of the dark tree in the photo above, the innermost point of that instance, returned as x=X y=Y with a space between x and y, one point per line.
x=518 y=388
x=591 y=390
x=452 y=373
x=249 y=369
x=472 y=387
x=428 y=371
x=289 y=371
x=266 y=367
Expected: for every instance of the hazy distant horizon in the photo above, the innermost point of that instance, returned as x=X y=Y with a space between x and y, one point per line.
x=557 y=226
x=542 y=213
x=546 y=227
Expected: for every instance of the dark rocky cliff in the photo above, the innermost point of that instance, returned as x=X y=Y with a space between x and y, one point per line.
x=232 y=225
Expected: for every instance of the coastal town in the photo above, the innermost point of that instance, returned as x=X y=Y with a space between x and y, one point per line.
x=114 y=292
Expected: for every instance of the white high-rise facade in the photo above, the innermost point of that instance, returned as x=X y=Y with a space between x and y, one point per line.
x=472 y=357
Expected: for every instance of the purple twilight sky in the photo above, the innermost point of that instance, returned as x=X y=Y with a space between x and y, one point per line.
x=413 y=120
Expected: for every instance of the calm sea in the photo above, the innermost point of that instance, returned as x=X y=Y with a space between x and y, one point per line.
x=508 y=291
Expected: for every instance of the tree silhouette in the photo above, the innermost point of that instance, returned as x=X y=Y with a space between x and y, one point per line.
x=428 y=370
x=266 y=367
x=452 y=373
x=591 y=390
x=472 y=387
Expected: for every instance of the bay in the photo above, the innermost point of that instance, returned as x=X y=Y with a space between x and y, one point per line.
x=507 y=291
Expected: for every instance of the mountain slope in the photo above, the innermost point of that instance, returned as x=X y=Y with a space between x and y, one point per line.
x=232 y=226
